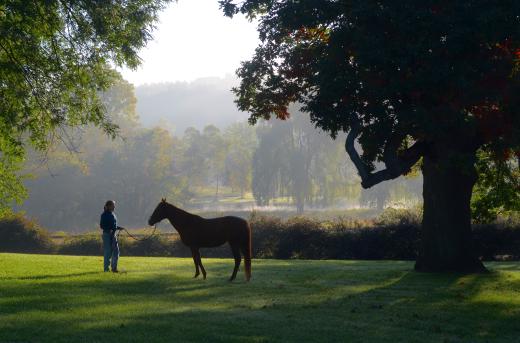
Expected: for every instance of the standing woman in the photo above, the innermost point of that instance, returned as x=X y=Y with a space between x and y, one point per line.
x=108 y=224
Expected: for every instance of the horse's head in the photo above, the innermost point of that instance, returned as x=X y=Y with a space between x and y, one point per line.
x=159 y=213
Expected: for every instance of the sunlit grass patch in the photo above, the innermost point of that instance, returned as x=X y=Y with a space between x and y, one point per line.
x=49 y=298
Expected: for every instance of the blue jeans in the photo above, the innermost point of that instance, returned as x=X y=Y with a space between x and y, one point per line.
x=110 y=250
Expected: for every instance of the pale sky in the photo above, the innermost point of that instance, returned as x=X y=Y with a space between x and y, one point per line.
x=193 y=40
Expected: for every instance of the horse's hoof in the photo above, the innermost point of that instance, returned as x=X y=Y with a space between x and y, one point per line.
x=195 y=276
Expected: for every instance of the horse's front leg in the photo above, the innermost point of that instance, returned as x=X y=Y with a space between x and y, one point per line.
x=199 y=260
x=194 y=254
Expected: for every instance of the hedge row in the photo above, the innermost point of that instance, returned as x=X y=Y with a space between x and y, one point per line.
x=395 y=235
x=19 y=234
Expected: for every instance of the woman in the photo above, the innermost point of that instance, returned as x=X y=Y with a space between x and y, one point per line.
x=108 y=224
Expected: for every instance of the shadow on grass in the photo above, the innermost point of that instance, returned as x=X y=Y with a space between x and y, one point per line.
x=47 y=277
x=286 y=301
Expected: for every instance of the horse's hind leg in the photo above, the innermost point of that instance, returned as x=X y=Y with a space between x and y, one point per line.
x=199 y=260
x=236 y=254
x=246 y=251
x=195 y=260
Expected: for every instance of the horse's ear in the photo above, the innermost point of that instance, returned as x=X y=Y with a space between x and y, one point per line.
x=163 y=200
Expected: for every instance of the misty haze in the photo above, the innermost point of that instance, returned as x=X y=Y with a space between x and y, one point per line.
x=259 y=171
x=186 y=141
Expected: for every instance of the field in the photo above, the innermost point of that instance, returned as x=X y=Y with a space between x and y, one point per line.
x=45 y=298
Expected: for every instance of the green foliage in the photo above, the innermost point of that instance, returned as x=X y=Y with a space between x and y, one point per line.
x=294 y=159
x=92 y=245
x=55 y=59
x=450 y=59
x=242 y=142
x=214 y=158
x=497 y=191
x=394 y=235
x=308 y=238
x=84 y=245
x=11 y=186
x=392 y=216
x=58 y=54
x=154 y=246
x=215 y=149
x=19 y=234
x=69 y=298
x=497 y=241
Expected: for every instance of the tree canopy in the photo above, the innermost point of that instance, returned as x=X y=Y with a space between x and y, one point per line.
x=56 y=56
x=399 y=75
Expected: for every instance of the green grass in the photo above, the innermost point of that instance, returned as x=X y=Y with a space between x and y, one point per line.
x=47 y=298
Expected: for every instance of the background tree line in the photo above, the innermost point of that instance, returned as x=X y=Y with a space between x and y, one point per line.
x=287 y=163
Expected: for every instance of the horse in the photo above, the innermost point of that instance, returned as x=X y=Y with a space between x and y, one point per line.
x=197 y=232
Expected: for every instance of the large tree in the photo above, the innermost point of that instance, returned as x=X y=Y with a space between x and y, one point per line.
x=428 y=82
x=56 y=57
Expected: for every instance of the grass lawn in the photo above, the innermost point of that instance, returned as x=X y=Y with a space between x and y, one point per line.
x=45 y=298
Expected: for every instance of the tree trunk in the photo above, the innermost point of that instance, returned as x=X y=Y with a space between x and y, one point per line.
x=446 y=242
x=216 y=192
x=300 y=203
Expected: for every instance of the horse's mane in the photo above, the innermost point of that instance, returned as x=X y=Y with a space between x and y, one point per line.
x=182 y=212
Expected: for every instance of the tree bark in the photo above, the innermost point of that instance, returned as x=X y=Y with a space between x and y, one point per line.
x=446 y=237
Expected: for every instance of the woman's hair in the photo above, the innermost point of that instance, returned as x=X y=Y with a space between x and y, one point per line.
x=109 y=202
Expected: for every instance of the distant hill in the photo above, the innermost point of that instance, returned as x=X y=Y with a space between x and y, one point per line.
x=179 y=105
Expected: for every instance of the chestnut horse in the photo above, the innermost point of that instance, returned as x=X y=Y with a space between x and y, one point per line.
x=197 y=232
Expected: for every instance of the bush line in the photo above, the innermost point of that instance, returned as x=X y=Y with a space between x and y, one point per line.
x=394 y=235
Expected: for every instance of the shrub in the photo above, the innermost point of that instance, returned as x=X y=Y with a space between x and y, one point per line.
x=19 y=234
x=153 y=246
x=492 y=241
x=340 y=239
x=89 y=244
x=303 y=238
x=394 y=235
x=266 y=236
x=397 y=216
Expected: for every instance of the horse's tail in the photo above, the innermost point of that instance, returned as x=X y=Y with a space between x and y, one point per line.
x=247 y=251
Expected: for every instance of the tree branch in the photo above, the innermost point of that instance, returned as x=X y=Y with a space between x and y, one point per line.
x=396 y=164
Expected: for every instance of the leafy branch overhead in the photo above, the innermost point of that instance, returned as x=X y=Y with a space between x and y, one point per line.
x=404 y=78
x=56 y=57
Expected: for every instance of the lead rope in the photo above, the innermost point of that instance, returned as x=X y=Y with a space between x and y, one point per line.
x=141 y=239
